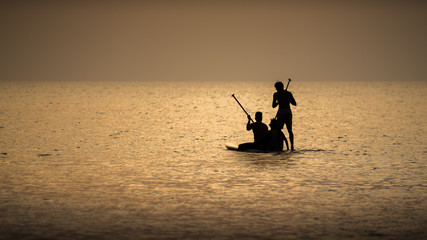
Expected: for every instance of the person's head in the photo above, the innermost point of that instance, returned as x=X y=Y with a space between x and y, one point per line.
x=279 y=86
x=258 y=116
x=273 y=123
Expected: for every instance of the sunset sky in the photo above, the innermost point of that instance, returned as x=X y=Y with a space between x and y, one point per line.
x=213 y=40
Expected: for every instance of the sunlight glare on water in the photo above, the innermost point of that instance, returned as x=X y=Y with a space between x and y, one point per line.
x=148 y=160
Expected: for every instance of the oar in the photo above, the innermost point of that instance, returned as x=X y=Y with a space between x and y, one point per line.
x=288 y=84
x=242 y=107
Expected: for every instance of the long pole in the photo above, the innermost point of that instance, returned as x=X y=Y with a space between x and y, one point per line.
x=289 y=80
x=242 y=107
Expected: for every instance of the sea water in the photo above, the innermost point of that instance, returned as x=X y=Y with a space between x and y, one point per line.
x=147 y=160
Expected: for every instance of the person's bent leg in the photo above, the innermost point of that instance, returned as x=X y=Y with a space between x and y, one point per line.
x=291 y=135
x=287 y=145
x=289 y=127
x=246 y=146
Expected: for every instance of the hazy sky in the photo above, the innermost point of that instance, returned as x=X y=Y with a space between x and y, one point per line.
x=213 y=40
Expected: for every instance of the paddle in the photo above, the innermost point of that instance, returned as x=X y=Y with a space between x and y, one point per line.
x=242 y=107
x=288 y=84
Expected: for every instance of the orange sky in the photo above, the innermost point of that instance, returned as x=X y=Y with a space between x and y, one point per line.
x=213 y=40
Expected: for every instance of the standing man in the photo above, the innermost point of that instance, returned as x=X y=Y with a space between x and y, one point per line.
x=260 y=131
x=284 y=98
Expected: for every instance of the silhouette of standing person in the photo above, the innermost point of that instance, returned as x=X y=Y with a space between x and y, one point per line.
x=259 y=129
x=283 y=99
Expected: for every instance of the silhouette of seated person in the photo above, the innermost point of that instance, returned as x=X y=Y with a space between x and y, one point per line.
x=259 y=129
x=275 y=137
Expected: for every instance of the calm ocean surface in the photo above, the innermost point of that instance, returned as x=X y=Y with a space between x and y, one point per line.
x=145 y=160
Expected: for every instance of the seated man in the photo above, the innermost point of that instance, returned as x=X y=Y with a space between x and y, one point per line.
x=275 y=137
x=259 y=129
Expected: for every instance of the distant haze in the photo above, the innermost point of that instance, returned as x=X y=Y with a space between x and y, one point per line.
x=213 y=40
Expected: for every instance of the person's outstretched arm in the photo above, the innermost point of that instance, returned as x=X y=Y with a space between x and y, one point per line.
x=248 y=125
x=292 y=99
